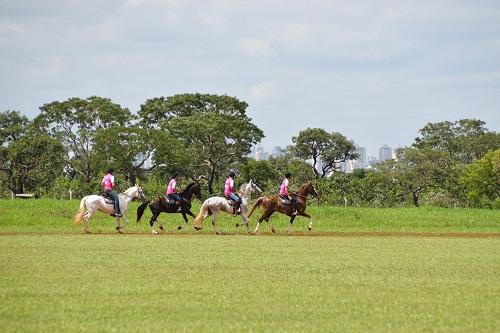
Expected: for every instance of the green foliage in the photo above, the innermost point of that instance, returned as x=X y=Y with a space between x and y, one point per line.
x=465 y=140
x=317 y=144
x=482 y=180
x=207 y=133
x=29 y=159
x=76 y=123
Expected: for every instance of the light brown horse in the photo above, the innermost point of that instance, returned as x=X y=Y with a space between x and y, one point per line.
x=273 y=203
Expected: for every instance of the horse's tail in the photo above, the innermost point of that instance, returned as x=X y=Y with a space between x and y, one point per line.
x=140 y=210
x=203 y=211
x=79 y=215
x=255 y=205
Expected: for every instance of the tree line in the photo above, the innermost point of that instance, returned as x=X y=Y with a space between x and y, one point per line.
x=71 y=143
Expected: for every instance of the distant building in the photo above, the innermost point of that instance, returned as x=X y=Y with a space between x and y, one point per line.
x=259 y=154
x=362 y=161
x=384 y=153
x=277 y=151
x=372 y=160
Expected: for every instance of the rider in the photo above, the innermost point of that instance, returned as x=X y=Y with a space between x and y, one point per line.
x=108 y=183
x=284 y=192
x=230 y=194
x=172 y=191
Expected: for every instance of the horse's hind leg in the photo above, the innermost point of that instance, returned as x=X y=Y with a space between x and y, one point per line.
x=152 y=223
x=265 y=216
x=214 y=223
x=273 y=229
x=86 y=218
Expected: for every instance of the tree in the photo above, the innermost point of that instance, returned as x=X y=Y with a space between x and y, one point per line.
x=482 y=179
x=76 y=123
x=331 y=148
x=465 y=140
x=29 y=160
x=208 y=133
x=417 y=170
x=215 y=142
x=125 y=148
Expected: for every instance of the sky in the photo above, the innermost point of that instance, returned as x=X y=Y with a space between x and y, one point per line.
x=375 y=71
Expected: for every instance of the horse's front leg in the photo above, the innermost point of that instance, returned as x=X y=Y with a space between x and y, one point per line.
x=214 y=223
x=126 y=223
x=288 y=230
x=185 y=220
x=310 y=225
x=118 y=225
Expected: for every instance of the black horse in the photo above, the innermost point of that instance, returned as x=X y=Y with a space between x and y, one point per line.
x=160 y=205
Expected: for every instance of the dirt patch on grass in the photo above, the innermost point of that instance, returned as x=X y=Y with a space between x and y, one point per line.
x=279 y=234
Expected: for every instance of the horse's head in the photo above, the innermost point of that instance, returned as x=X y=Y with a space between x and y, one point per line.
x=253 y=187
x=307 y=188
x=197 y=190
x=250 y=188
x=192 y=188
x=137 y=193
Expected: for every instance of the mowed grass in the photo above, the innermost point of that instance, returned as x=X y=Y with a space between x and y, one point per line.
x=204 y=283
x=56 y=216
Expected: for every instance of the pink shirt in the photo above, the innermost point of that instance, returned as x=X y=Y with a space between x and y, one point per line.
x=228 y=186
x=284 y=187
x=171 y=186
x=108 y=182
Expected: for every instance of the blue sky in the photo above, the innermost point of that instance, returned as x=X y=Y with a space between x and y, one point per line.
x=376 y=71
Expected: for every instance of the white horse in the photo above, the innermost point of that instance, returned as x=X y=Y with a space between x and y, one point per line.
x=214 y=205
x=93 y=203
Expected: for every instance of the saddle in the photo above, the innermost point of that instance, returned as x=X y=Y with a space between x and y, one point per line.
x=285 y=201
x=231 y=202
x=170 y=201
x=107 y=198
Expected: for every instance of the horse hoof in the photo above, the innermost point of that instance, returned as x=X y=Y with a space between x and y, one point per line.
x=154 y=232
x=86 y=232
x=309 y=228
x=179 y=227
x=273 y=230
x=119 y=231
x=237 y=225
x=161 y=228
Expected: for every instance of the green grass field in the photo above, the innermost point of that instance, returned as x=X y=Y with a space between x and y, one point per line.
x=55 y=279
x=56 y=216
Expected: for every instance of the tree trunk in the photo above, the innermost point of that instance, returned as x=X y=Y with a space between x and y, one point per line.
x=415 y=198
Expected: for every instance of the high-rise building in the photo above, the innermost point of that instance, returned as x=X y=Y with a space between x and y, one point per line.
x=277 y=151
x=361 y=161
x=384 y=153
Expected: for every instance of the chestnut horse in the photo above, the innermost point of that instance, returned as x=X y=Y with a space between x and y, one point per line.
x=273 y=203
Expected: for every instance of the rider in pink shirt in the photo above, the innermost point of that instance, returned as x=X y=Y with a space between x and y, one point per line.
x=285 y=195
x=108 y=183
x=229 y=192
x=172 y=191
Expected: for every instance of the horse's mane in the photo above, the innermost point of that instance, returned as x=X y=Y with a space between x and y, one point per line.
x=303 y=186
x=242 y=187
x=188 y=187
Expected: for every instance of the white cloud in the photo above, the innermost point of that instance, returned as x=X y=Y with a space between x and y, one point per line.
x=264 y=91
